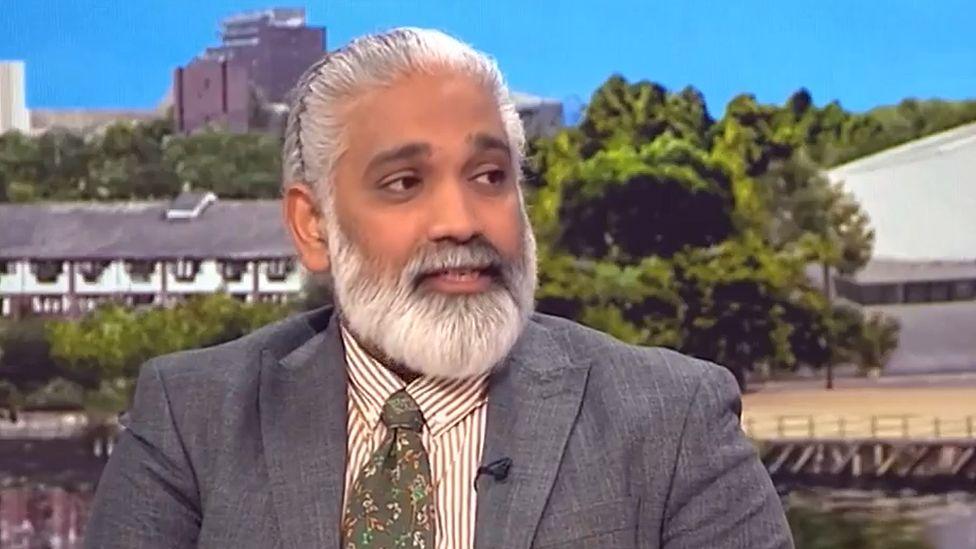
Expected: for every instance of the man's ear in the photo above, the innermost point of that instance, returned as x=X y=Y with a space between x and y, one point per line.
x=303 y=217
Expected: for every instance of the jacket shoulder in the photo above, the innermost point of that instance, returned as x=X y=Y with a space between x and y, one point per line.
x=227 y=362
x=628 y=367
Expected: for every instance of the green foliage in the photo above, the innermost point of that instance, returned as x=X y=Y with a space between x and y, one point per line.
x=111 y=396
x=818 y=219
x=231 y=165
x=621 y=113
x=127 y=162
x=92 y=362
x=25 y=354
x=137 y=161
x=20 y=164
x=663 y=227
x=819 y=529
x=11 y=401
x=316 y=292
x=113 y=342
x=57 y=394
x=865 y=340
x=886 y=127
x=611 y=196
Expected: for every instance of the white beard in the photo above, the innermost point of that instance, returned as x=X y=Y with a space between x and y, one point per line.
x=432 y=333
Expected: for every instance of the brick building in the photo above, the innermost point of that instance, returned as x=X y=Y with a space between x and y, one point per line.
x=261 y=56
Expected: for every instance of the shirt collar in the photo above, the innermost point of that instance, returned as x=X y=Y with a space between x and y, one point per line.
x=443 y=402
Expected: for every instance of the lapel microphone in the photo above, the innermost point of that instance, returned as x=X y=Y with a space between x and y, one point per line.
x=497 y=470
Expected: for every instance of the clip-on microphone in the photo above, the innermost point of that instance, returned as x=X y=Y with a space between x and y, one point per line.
x=497 y=470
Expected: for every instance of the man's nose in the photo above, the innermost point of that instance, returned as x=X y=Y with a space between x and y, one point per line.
x=453 y=213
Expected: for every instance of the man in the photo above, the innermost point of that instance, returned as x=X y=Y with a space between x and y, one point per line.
x=431 y=408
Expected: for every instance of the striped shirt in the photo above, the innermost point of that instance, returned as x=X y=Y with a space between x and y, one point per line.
x=454 y=412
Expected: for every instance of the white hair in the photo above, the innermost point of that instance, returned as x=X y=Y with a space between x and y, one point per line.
x=314 y=133
x=457 y=336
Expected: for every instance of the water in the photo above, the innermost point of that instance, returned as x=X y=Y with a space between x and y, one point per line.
x=47 y=517
x=954 y=527
x=947 y=521
x=36 y=517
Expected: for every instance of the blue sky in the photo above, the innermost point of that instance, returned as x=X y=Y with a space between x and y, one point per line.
x=120 y=53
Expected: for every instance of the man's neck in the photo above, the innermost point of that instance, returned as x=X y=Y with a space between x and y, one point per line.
x=405 y=374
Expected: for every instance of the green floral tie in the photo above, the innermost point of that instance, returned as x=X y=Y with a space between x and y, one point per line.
x=391 y=504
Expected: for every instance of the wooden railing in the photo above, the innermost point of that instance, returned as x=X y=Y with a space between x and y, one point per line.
x=827 y=426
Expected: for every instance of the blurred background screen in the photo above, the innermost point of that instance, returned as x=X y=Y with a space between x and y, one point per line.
x=784 y=188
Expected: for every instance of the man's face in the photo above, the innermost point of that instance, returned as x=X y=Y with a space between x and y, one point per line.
x=427 y=163
x=429 y=246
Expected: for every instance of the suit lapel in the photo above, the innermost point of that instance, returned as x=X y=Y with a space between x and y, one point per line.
x=303 y=425
x=533 y=402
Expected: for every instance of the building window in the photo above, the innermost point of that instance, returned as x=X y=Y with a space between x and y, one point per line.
x=143 y=299
x=48 y=304
x=91 y=271
x=140 y=270
x=279 y=269
x=6 y=267
x=277 y=299
x=916 y=292
x=940 y=291
x=964 y=290
x=47 y=271
x=185 y=270
x=867 y=294
x=232 y=271
x=878 y=294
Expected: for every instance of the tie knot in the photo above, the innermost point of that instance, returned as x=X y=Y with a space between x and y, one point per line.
x=401 y=412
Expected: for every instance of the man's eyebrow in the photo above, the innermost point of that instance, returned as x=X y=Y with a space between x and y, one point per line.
x=402 y=152
x=484 y=142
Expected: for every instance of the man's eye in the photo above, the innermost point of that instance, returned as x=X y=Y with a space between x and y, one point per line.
x=491 y=177
x=401 y=184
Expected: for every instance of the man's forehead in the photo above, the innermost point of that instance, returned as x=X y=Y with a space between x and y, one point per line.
x=434 y=111
x=429 y=98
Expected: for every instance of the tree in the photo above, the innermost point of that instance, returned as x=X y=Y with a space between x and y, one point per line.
x=127 y=162
x=11 y=401
x=817 y=220
x=620 y=112
x=57 y=394
x=64 y=164
x=865 y=339
x=641 y=233
x=113 y=342
x=664 y=227
x=25 y=354
x=20 y=167
x=230 y=165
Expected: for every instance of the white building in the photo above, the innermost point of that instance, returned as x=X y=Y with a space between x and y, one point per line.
x=13 y=98
x=921 y=200
x=67 y=258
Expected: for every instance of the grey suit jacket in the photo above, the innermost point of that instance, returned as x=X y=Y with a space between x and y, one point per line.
x=612 y=446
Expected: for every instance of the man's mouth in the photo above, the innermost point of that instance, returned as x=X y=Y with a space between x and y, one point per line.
x=460 y=280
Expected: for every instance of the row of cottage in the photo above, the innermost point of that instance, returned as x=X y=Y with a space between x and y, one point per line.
x=67 y=258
